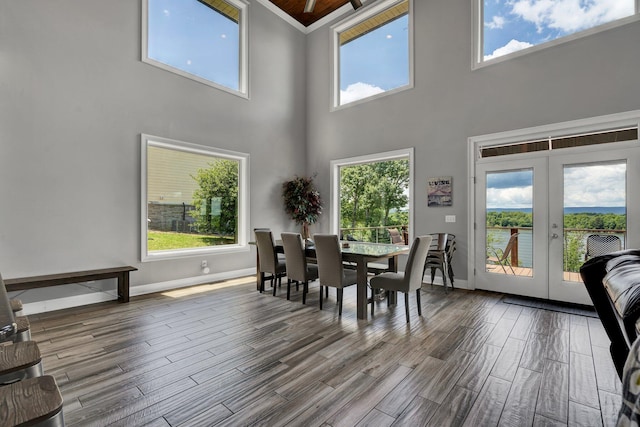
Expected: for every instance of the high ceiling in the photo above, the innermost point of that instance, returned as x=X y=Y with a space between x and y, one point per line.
x=295 y=8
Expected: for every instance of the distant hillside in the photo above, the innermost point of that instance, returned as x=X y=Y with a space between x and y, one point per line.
x=619 y=210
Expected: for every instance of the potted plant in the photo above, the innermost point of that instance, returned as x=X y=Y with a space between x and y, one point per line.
x=302 y=202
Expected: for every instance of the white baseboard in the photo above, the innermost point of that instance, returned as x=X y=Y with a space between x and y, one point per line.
x=97 y=297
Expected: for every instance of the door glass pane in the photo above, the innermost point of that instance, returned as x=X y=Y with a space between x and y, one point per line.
x=509 y=223
x=595 y=214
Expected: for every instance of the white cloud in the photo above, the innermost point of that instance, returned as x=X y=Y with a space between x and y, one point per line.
x=514 y=197
x=512 y=46
x=358 y=91
x=497 y=22
x=595 y=185
x=571 y=15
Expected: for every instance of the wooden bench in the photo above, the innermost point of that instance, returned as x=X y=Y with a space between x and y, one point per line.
x=34 y=282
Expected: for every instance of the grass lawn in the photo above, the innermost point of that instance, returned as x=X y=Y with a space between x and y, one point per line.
x=164 y=240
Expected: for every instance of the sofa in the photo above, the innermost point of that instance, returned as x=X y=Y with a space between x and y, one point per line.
x=613 y=283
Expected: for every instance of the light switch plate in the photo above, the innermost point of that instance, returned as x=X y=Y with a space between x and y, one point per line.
x=449 y=218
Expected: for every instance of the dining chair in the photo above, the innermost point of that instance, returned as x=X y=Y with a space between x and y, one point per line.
x=502 y=258
x=411 y=278
x=601 y=244
x=439 y=257
x=270 y=262
x=298 y=269
x=330 y=268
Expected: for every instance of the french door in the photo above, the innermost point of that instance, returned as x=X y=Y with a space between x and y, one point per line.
x=552 y=204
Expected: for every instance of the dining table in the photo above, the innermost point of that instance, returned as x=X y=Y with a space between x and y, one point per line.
x=358 y=255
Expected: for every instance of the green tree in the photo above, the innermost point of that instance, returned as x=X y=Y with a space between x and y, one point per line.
x=216 y=199
x=393 y=180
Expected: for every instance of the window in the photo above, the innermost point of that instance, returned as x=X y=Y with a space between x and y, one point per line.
x=204 y=40
x=373 y=53
x=372 y=195
x=508 y=26
x=194 y=199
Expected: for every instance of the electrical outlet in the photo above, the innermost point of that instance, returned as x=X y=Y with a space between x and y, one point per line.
x=449 y=218
x=204 y=264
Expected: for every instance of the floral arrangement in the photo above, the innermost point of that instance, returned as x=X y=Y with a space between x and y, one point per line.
x=301 y=200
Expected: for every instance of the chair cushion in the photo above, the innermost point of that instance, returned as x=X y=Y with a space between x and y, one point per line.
x=389 y=281
x=622 y=283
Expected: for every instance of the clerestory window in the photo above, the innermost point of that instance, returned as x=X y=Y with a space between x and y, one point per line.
x=507 y=28
x=372 y=53
x=204 y=40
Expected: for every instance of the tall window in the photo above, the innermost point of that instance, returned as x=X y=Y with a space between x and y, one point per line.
x=204 y=40
x=193 y=199
x=371 y=195
x=508 y=26
x=372 y=52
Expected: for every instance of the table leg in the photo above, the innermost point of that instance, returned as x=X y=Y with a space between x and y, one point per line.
x=361 y=301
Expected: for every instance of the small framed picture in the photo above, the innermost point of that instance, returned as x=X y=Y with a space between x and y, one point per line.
x=440 y=191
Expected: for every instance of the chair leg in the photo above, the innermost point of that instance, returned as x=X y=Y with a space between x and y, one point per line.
x=320 y=297
x=262 y=280
x=326 y=291
x=373 y=300
x=418 y=301
x=340 y=291
x=305 y=289
x=274 y=282
x=288 y=289
x=406 y=305
x=433 y=275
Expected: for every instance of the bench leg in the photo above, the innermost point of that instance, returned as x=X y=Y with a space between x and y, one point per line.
x=123 y=287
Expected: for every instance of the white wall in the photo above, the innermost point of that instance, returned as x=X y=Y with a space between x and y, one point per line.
x=74 y=98
x=588 y=77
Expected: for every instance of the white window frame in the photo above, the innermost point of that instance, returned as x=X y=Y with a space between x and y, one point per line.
x=243 y=198
x=362 y=15
x=335 y=166
x=243 y=83
x=478 y=36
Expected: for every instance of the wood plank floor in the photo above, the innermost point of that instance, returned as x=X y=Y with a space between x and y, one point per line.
x=224 y=354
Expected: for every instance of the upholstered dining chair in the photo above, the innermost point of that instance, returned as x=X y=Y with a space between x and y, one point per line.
x=411 y=279
x=330 y=268
x=298 y=270
x=270 y=262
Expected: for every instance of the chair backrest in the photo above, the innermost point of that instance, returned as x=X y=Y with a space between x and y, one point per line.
x=294 y=256
x=602 y=244
x=329 y=256
x=415 y=263
x=266 y=250
x=513 y=240
x=439 y=241
x=395 y=235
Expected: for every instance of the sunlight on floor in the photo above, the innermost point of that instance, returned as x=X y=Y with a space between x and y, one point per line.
x=177 y=293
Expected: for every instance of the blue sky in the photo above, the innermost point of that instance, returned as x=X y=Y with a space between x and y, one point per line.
x=375 y=62
x=192 y=37
x=512 y=25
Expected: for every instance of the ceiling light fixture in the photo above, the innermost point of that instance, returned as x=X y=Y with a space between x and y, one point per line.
x=308 y=7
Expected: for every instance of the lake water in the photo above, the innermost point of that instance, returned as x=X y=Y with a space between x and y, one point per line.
x=525 y=247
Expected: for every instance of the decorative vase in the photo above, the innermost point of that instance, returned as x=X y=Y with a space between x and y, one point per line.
x=305 y=231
